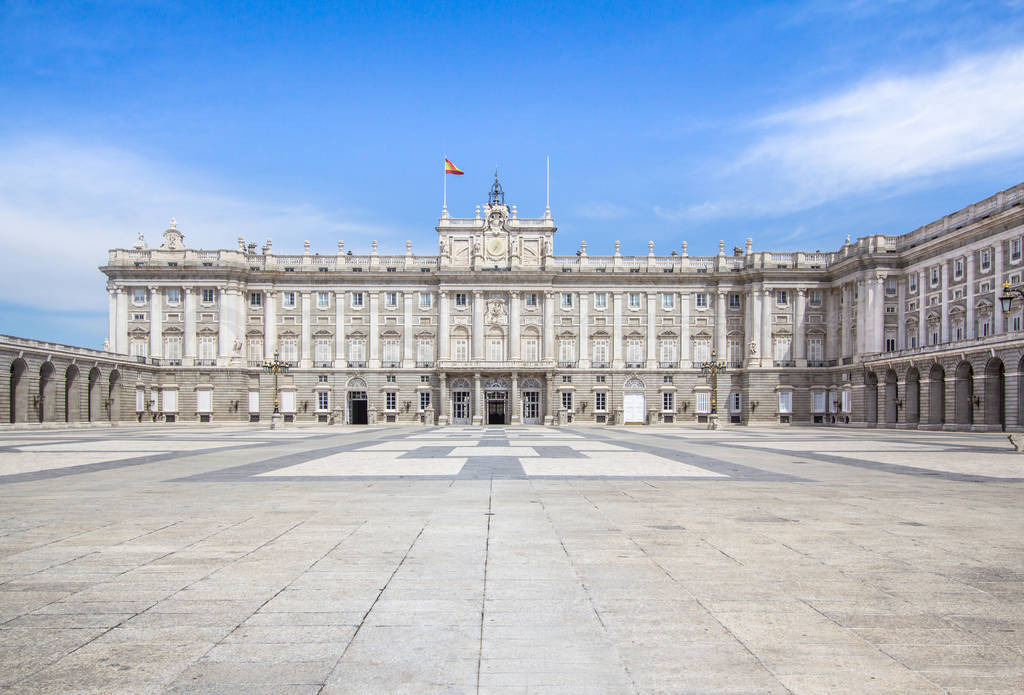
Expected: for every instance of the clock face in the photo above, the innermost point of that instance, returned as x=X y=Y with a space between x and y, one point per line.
x=496 y=246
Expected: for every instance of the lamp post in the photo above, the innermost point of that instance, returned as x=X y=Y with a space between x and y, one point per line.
x=711 y=369
x=1010 y=292
x=275 y=367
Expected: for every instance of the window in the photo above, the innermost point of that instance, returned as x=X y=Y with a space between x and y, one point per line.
x=818 y=401
x=289 y=349
x=634 y=351
x=425 y=351
x=913 y=339
x=814 y=298
x=461 y=346
x=357 y=350
x=1015 y=250
x=139 y=296
x=461 y=300
x=390 y=400
x=391 y=300
x=702 y=300
x=174 y=297
x=204 y=401
x=425 y=298
x=255 y=350
x=323 y=300
x=322 y=351
x=323 y=400
x=139 y=347
x=600 y=378
x=357 y=300
x=138 y=316
x=890 y=308
x=601 y=401
x=986 y=259
x=495 y=349
x=600 y=351
x=890 y=285
x=783 y=343
x=668 y=351
x=986 y=329
x=734 y=300
x=701 y=350
x=391 y=378
x=785 y=402
x=890 y=343
x=935 y=276
x=207 y=348
x=1016 y=322
x=172 y=348
x=530 y=351
x=703 y=399
x=321 y=378
x=288 y=300
x=600 y=300
x=958 y=268
x=255 y=299
x=208 y=296
x=781 y=298
x=566 y=351
x=815 y=349
x=734 y=350
x=567 y=400
x=567 y=300
x=566 y=379
x=736 y=402
x=391 y=351
x=530 y=298
x=668 y=402
x=424 y=400
x=634 y=300
x=845 y=403
x=912 y=282
x=934 y=337
x=666 y=379
x=424 y=379
x=668 y=300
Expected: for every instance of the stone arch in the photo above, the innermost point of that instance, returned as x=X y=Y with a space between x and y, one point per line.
x=891 y=397
x=72 y=394
x=936 y=395
x=95 y=397
x=871 y=398
x=114 y=396
x=47 y=393
x=912 y=396
x=530 y=383
x=357 y=383
x=19 y=391
x=963 y=395
x=633 y=384
x=995 y=392
x=459 y=385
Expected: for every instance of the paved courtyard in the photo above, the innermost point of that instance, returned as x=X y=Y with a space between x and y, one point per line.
x=512 y=560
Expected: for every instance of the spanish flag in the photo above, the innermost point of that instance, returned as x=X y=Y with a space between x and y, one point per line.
x=450 y=168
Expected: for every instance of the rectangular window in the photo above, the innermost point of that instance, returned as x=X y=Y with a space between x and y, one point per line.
x=890 y=343
x=495 y=349
x=391 y=352
x=170 y=401
x=461 y=300
x=288 y=300
x=600 y=378
x=735 y=352
x=668 y=402
x=138 y=316
x=207 y=348
x=567 y=300
x=785 y=402
x=701 y=300
x=530 y=352
x=986 y=259
x=734 y=300
x=958 y=268
x=634 y=300
x=600 y=300
x=424 y=400
x=601 y=401
x=255 y=299
x=600 y=351
x=567 y=400
x=204 y=401
x=668 y=300
x=845 y=403
x=172 y=348
x=1015 y=250
x=634 y=351
x=391 y=299
x=322 y=349
x=357 y=350
x=425 y=351
x=817 y=401
x=208 y=296
x=815 y=349
x=736 y=402
x=530 y=299
x=289 y=349
x=1016 y=322
x=140 y=400
x=703 y=399
x=567 y=351
x=323 y=400
x=357 y=300
x=913 y=339
x=781 y=298
x=390 y=400
x=935 y=276
x=323 y=300
x=139 y=296
x=701 y=350
x=425 y=300
x=287 y=401
x=783 y=352
x=461 y=346
x=890 y=286
x=174 y=297
x=814 y=298
x=255 y=350
x=912 y=282
x=668 y=351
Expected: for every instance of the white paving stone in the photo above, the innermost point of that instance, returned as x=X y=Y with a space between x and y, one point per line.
x=12 y=463
x=130 y=445
x=493 y=451
x=372 y=464
x=1008 y=464
x=636 y=464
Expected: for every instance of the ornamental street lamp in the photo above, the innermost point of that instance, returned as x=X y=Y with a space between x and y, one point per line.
x=711 y=369
x=275 y=367
x=1008 y=295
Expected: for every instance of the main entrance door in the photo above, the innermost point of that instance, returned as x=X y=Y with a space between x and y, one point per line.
x=531 y=407
x=460 y=407
x=633 y=408
x=357 y=408
x=496 y=407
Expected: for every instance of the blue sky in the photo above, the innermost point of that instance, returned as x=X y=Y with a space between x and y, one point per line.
x=792 y=123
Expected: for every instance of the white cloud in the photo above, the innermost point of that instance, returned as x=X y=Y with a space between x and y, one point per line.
x=885 y=132
x=63 y=205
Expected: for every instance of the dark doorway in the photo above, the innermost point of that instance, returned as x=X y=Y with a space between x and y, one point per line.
x=357 y=408
x=496 y=407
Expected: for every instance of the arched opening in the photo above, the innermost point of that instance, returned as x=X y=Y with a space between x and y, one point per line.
x=963 y=395
x=871 y=398
x=891 y=398
x=995 y=389
x=114 y=397
x=95 y=397
x=461 y=406
x=912 y=397
x=19 y=391
x=936 y=395
x=47 y=393
x=633 y=403
x=531 y=393
x=72 y=395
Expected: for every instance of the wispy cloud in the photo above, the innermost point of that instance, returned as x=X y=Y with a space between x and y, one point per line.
x=884 y=132
x=63 y=205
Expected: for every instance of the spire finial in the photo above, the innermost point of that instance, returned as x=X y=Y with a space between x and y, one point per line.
x=174 y=223
x=496 y=196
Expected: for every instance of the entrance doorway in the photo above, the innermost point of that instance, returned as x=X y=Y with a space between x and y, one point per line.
x=531 y=407
x=460 y=407
x=633 y=408
x=357 y=408
x=496 y=402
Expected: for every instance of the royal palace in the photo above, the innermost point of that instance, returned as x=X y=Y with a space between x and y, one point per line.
x=905 y=330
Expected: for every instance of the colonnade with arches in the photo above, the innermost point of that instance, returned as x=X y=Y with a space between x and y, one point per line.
x=43 y=388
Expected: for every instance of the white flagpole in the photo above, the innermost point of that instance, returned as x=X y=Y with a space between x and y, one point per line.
x=547 y=194
x=444 y=185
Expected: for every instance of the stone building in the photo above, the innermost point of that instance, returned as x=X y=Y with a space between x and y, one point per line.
x=898 y=331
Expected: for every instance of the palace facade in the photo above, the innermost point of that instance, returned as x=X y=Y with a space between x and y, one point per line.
x=899 y=331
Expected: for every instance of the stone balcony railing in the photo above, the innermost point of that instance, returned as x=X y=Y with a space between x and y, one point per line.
x=496 y=365
x=990 y=343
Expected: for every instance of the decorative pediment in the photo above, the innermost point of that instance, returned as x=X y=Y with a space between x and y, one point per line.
x=668 y=334
x=323 y=333
x=254 y=333
x=566 y=335
x=423 y=335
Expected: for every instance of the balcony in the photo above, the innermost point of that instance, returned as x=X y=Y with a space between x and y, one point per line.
x=391 y=364
x=357 y=364
x=425 y=364
x=174 y=363
x=821 y=363
x=634 y=365
x=206 y=363
x=668 y=365
x=496 y=365
x=785 y=363
x=567 y=364
x=323 y=363
x=255 y=363
x=599 y=365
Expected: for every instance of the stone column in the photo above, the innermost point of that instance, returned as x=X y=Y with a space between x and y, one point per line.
x=901 y=313
x=156 y=327
x=513 y=325
x=969 y=318
x=752 y=330
x=442 y=407
x=652 y=328
x=374 y=357
x=122 y=321
x=549 y=399
x=339 y=329
x=549 y=325
x=408 y=357
x=878 y=314
x=478 y=401
x=922 y=315
x=845 y=297
x=112 y=320
x=478 y=325
x=443 y=332
x=997 y=288
x=584 y=350
x=766 y=328
x=684 y=330
x=618 y=349
x=944 y=286
x=514 y=405
x=800 y=328
x=720 y=324
x=224 y=337
x=307 y=332
x=270 y=325
x=189 y=357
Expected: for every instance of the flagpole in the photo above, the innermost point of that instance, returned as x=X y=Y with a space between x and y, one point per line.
x=444 y=185
x=547 y=193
